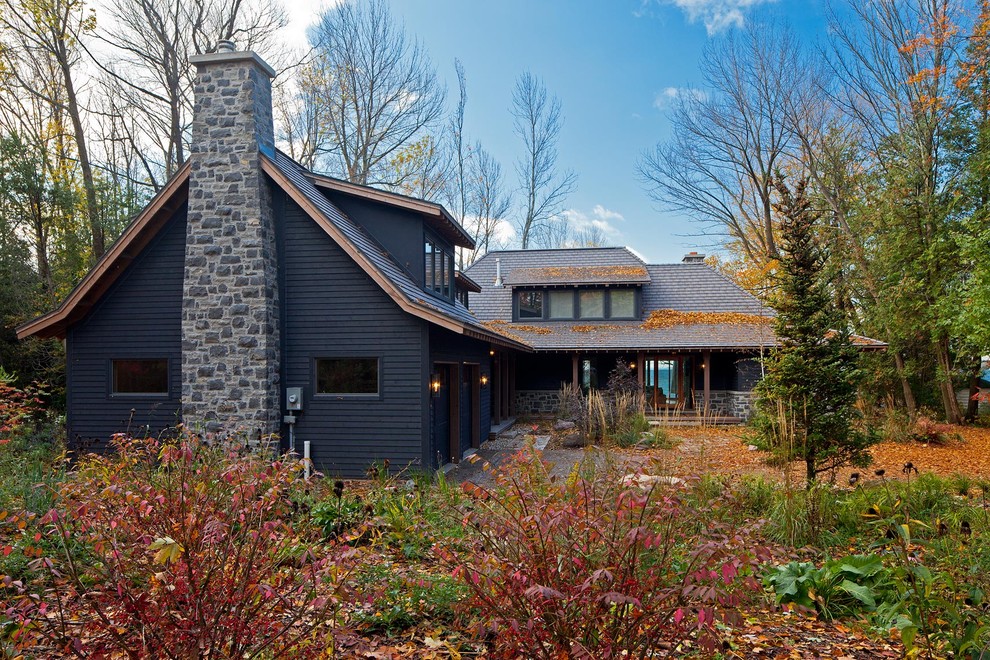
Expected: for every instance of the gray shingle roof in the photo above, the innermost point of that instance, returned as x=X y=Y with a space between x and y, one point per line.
x=496 y=302
x=683 y=287
x=631 y=336
x=375 y=253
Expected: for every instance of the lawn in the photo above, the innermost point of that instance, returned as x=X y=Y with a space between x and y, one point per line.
x=214 y=552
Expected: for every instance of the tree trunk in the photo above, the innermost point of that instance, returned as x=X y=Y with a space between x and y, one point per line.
x=97 y=238
x=972 y=403
x=952 y=415
x=909 y=400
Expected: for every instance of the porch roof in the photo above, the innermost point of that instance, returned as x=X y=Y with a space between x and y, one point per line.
x=633 y=336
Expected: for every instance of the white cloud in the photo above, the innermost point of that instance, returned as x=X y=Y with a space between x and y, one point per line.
x=717 y=15
x=663 y=100
x=600 y=221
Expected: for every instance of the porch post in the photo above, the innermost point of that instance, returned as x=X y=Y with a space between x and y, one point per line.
x=496 y=391
x=640 y=365
x=707 y=355
x=574 y=371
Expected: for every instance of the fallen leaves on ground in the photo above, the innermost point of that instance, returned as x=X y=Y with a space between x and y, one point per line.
x=726 y=450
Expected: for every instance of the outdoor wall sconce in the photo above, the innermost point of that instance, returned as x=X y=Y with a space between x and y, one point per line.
x=435 y=385
x=491 y=353
x=632 y=365
x=484 y=380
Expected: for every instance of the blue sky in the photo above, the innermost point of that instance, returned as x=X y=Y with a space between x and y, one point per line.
x=612 y=63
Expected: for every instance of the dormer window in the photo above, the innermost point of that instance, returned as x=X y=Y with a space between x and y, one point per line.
x=530 y=305
x=585 y=303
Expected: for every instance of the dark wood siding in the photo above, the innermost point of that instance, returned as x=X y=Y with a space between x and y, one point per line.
x=331 y=308
x=139 y=317
x=446 y=346
x=397 y=230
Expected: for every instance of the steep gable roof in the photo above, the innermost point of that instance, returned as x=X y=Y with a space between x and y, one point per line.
x=436 y=215
x=125 y=249
x=298 y=184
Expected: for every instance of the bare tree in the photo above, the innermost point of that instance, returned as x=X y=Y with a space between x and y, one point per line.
x=460 y=150
x=488 y=203
x=377 y=89
x=421 y=169
x=538 y=122
x=729 y=138
x=44 y=39
x=152 y=41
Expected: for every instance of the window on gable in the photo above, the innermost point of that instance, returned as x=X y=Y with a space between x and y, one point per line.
x=347 y=376
x=438 y=270
x=144 y=376
x=530 y=304
x=591 y=304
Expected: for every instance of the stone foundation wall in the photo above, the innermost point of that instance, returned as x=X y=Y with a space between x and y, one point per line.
x=730 y=403
x=537 y=402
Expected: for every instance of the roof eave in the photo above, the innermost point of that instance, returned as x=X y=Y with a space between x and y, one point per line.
x=427 y=313
x=124 y=250
x=457 y=234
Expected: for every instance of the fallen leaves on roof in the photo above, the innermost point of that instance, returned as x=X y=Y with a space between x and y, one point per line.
x=666 y=318
x=593 y=328
x=573 y=274
x=597 y=271
x=504 y=329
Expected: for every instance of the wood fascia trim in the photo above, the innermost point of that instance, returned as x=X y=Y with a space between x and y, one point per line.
x=370 y=269
x=385 y=197
x=117 y=253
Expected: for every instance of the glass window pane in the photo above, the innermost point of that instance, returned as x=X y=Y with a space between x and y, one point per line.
x=140 y=376
x=561 y=304
x=347 y=376
x=531 y=305
x=448 y=265
x=623 y=304
x=428 y=262
x=592 y=304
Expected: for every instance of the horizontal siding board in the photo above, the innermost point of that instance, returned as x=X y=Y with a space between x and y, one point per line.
x=138 y=317
x=331 y=308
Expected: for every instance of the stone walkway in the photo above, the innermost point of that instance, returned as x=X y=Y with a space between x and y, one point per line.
x=500 y=449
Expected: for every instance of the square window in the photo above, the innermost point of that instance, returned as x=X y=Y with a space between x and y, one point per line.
x=592 y=304
x=531 y=305
x=562 y=304
x=623 y=304
x=347 y=376
x=145 y=376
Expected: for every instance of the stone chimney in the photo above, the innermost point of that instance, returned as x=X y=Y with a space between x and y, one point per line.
x=230 y=311
x=693 y=258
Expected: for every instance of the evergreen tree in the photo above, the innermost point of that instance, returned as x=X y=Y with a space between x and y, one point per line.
x=806 y=401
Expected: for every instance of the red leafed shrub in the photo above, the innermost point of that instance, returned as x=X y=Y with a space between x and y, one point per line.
x=16 y=406
x=929 y=431
x=179 y=550
x=597 y=566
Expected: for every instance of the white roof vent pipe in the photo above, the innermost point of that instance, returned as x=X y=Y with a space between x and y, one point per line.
x=498 y=272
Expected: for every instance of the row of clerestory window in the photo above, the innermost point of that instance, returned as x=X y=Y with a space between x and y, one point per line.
x=568 y=304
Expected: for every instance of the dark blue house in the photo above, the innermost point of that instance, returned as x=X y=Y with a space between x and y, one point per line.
x=254 y=297
x=250 y=289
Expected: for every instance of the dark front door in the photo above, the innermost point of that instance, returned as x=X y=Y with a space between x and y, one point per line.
x=441 y=414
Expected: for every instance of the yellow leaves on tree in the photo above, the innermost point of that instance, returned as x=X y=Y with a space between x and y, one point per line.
x=666 y=318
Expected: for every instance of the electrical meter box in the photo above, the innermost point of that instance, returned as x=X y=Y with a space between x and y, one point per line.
x=293 y=398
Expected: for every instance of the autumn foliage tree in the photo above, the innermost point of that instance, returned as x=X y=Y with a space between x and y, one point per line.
x=806 y=401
